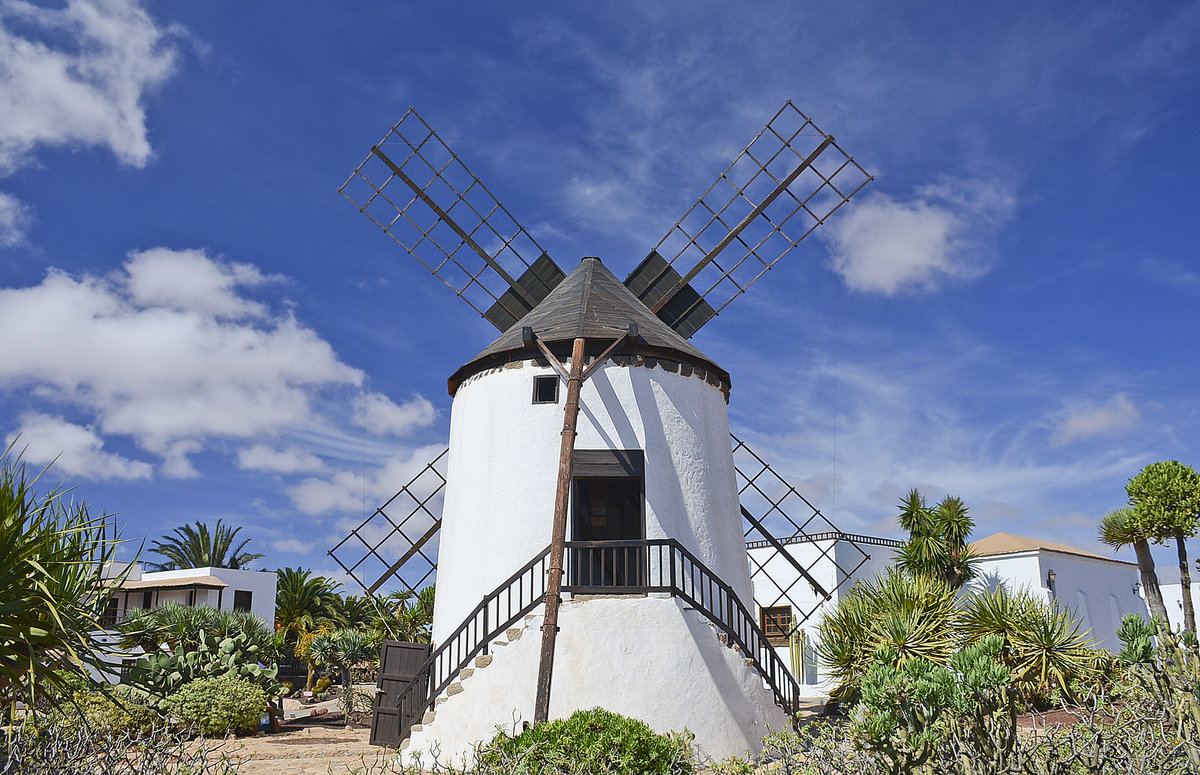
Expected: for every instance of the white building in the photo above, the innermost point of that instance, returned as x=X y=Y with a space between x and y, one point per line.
x=1173 y=599
x=783 y=595
x=222 y=588
x=1099 y=590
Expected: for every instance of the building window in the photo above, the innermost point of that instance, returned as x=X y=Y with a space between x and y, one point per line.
x=241 y=599
x=147 y=599
x=777 y=624
x=545 y=390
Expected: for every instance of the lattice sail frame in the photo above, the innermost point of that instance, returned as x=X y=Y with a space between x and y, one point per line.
x=447 y=219
x=392 y=542
x=790 y=211
x=773 y=503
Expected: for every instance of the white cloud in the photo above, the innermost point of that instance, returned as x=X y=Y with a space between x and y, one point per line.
x=345 y=490
x=292 y=545
x=381 y=415
x=1084 y=422
x=169 y=376
x=261 y=457
x=187 y=280
x=15 y=219
x=79 y=451
x=79 y=77
x=887 y=246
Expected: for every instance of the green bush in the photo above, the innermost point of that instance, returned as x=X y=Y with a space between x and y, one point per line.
x=593 y=740
x=322 y=685
x=116 y=712
x=159 y=675
x=215 y=706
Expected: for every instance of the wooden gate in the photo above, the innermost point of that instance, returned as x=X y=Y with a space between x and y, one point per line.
x=398 y=662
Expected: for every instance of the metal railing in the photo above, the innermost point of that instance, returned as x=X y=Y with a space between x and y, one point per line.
x=601 y=567
x=664 y=566
x=524 y=591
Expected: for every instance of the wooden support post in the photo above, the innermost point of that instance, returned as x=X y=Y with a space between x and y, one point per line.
x=541 y=708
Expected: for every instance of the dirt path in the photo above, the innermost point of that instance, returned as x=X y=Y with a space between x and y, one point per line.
x=317 y=746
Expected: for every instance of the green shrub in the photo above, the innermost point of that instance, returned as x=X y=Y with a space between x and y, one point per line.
x=593 y=740
x=116 y=712
x=215 y=706
x=322 y=685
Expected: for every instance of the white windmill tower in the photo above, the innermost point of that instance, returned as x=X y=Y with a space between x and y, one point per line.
x=591 y=544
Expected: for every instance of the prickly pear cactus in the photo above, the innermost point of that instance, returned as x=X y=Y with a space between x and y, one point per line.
x=159 y=675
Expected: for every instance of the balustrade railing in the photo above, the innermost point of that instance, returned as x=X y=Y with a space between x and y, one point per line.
x=660 y=566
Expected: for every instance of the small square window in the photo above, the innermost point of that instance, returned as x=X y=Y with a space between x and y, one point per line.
x=777 y=624
x=545 y=390
x=241 y=599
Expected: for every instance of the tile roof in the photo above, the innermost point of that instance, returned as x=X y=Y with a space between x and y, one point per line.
x=1008 y=543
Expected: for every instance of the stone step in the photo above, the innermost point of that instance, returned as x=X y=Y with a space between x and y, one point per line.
x=514 y=633
x=466 y=673
x=483 y=660
x=453 y=689
x=415 y=729
x=428 y=717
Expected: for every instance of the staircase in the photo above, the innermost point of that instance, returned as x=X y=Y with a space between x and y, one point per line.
x=659 y=566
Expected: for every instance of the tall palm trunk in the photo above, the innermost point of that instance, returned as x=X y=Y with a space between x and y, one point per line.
x=1154 y=598
x=1185 y=584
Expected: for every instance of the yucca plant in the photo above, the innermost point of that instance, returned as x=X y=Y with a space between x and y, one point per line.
x=53 y=555
x=914 y=615
x=1049 y=653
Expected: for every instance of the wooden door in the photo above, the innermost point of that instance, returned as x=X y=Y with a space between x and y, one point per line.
x=398 y=663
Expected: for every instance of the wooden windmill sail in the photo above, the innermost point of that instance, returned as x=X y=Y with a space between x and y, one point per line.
x=785 y=183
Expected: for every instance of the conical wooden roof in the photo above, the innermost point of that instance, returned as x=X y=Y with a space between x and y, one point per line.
x=591 y=303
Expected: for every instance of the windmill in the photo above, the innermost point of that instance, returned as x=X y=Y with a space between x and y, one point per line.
x=640 y=513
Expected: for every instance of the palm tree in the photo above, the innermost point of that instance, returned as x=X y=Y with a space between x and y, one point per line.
x=352 y=612
x=408 y=617
x=55 y=594
x=1117 y=529
x=197 y=547
x=303 y=605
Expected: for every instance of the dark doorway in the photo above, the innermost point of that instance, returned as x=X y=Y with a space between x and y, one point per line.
x=608 y=509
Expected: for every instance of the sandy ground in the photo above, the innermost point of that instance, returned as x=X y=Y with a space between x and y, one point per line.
x=318 y=745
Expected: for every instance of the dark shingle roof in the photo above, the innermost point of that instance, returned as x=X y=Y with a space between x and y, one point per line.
x=590 y=303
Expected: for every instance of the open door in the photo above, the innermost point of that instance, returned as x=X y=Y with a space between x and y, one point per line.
x=608 y=509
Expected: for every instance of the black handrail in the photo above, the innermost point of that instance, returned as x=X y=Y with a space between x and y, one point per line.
x=472 y=637
x=601 y=567
x=664 y=565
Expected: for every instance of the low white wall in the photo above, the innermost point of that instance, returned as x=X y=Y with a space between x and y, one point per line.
x=644 y=657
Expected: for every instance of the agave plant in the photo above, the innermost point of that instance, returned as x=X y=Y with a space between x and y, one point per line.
x=53 y=555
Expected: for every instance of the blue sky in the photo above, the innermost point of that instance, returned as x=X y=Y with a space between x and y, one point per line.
x=202 y=327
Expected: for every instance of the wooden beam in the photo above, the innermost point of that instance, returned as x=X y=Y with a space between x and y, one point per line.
x=541 y=708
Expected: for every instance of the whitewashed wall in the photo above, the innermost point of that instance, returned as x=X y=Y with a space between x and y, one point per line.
x=823 y=559
x=1173 y=599
x=503 y=469
x=260 y=583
